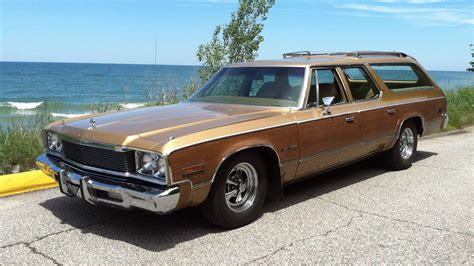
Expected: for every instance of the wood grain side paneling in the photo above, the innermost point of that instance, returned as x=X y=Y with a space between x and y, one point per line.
x=211 y=153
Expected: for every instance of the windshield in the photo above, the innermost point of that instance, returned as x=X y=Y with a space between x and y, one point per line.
x=270 y=86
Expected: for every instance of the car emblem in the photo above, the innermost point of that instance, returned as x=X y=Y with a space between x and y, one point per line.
x=92 y=122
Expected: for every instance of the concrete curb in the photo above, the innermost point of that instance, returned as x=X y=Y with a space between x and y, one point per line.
x=25 y=182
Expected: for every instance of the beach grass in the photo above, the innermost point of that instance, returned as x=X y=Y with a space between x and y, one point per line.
x=460 y=107
x=19 y=146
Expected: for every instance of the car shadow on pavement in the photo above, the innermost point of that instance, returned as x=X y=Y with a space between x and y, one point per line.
x=157 y=233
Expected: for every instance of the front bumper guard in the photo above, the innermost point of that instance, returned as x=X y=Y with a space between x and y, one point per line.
x=96 y=191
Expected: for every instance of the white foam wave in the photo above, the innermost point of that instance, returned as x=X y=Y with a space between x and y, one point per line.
x=131 y=105
x=67 y=115
x=24 y=106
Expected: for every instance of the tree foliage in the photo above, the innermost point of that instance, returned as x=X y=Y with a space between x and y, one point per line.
x=237 y=41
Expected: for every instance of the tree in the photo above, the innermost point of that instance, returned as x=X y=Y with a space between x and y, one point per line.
x=237 y=41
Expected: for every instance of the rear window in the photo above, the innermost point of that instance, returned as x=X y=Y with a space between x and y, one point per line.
x=402 y=77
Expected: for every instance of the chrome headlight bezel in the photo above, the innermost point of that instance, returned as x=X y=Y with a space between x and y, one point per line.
x=53 y=142
x=150 y=164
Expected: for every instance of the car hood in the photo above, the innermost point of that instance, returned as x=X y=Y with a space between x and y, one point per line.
x=159 y=124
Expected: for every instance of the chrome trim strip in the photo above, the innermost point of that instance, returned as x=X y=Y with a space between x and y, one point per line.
x=88 y=142
x=230 y=135
x=326 y=117
x=242 y=149
x=288 y=163
x=304 y=89
x=368 y=109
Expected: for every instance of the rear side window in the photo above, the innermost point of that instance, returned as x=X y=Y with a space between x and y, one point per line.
x=402 y=77
x=361 y=86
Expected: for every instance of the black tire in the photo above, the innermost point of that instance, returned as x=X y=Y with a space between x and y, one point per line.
x=395 y=158
x=217 y=209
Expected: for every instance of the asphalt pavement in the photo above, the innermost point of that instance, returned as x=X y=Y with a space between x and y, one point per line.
x=358 y=214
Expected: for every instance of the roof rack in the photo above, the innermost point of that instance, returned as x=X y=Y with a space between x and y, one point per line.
x=357 y=54
x=297 y=54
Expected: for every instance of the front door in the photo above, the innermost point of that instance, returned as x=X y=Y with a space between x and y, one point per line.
x=327 y=139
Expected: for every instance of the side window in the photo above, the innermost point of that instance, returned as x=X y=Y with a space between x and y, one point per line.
x=361 y=86
x=329 y=85
x=402 y=76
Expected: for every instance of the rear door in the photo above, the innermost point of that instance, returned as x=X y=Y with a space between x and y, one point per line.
x=327 y=139
x=377 y=118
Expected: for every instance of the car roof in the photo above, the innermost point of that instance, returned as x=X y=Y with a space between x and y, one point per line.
x=308 y=59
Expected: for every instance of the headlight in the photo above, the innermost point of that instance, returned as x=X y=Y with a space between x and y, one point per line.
x=53 y=143
x=152 y=164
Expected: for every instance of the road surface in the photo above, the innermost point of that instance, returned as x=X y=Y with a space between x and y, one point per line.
x=359 y=214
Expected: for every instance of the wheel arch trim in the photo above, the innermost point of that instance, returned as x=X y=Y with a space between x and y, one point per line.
x=411 y=117
x=243 y=149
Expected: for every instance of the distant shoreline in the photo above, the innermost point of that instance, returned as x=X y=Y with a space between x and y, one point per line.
x=178 y=65
x=91 y=63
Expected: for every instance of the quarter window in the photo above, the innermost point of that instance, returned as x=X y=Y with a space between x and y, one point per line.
x=361 y=86
x=400 y=77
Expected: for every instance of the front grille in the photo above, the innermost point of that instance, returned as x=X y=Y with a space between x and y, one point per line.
x=98 y=157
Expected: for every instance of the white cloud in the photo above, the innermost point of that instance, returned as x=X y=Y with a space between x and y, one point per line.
x=419 y=13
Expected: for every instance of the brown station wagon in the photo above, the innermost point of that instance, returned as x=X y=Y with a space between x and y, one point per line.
x=249 y=131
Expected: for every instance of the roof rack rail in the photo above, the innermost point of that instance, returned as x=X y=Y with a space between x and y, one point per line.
x=398 y=54
x=358 y=54
x=296 y=54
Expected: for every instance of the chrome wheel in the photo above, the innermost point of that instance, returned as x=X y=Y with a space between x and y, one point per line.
x=407 y=143
x=241 y=187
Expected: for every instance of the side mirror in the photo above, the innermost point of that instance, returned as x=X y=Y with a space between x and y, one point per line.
x=327 y=101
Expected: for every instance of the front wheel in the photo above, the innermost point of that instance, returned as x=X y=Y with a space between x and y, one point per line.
x=238 y=192
x=402 y=154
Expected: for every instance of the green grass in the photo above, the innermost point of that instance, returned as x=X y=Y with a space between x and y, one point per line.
x=19 y=147
x=460 y=107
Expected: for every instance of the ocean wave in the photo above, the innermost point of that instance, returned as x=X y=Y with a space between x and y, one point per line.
x=24 y=106
x=67 y=115
x=131 y=105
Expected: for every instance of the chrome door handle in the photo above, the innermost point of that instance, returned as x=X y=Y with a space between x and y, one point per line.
x=391 y=111
x=350 y=119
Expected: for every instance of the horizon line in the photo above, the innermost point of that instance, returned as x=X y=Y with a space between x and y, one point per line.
x=97 y=63
x=150 y=64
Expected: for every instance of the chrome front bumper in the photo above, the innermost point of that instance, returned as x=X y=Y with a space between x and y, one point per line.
x=98 y=190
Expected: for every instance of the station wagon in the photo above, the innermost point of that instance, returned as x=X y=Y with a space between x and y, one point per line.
x=252 y=129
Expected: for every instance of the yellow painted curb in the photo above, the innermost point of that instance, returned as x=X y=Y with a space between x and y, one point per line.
x=25 y=182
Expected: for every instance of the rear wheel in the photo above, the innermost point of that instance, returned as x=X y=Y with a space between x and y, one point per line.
x=238 y=192
x=401 y=155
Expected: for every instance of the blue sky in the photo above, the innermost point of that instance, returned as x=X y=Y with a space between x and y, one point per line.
x=436 y=32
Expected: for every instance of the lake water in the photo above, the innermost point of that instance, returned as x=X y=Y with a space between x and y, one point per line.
x=71 y=88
